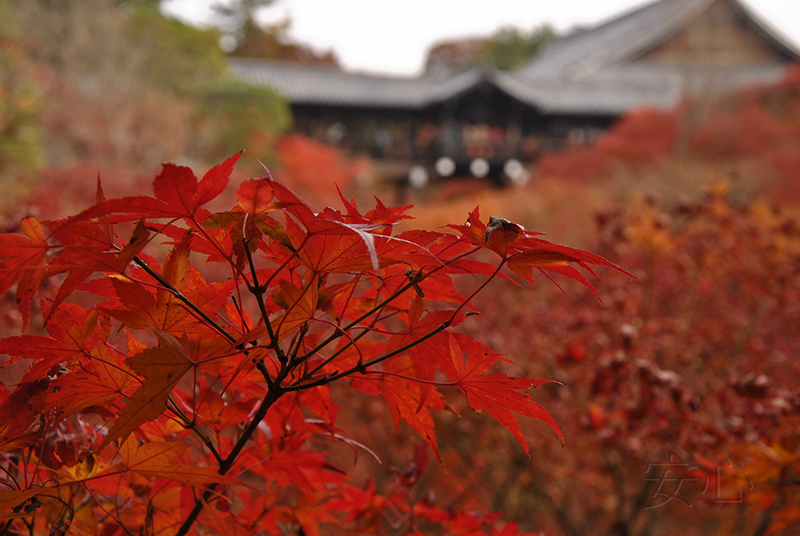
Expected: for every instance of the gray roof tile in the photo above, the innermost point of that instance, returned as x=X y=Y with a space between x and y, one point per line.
x=592 y=72
x=301 y=84
x=625 y=37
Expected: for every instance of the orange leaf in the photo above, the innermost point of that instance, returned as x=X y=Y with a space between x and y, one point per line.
x=164 y=460
x=256 y=196
x=162 y=368
x=300 y=305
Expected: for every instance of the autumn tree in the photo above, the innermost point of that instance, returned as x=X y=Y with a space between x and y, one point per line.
x=161 y=401
x=680 y=400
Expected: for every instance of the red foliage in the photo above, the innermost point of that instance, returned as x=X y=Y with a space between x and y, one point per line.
x=173 y=402
x=315 y=169
x=689 y=370
x=760 y=124
x=750 y=130
x=639 y=137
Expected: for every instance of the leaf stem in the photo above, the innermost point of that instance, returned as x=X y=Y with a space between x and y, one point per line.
x=362 y=367
x=480 y=288
x=411 y=378
x=352 y=342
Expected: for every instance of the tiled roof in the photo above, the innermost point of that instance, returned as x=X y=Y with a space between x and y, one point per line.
x=592 y=72
x=610 y=43
x=625 y=37
x=301 y=84
x=611 y=92
x=615 y=90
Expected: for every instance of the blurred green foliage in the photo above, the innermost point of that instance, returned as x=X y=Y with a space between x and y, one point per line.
x=179 y=56
x=229 y=115
x=238 y=116
x=189 y=60
x=510 y=47
x=21 y=148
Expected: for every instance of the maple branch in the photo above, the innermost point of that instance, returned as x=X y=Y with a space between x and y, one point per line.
x=191 y=424
x=358 y=320
x=7 y=472
x=352 y=342
x=362 y=367
x=262 y=368
x=258 y=291
x=186 y=301
x=240 y=311
x=418 y=276
x=295 y=347
x=413 y=283
x=273 y=394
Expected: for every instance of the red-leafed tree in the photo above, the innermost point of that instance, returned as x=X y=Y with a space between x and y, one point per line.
x=162 y=402
x=680 y=399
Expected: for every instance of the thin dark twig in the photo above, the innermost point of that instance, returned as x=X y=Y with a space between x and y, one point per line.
x=178 y=294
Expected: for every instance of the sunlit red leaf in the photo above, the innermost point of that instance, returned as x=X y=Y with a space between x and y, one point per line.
x=177 y=195
x=215 y=180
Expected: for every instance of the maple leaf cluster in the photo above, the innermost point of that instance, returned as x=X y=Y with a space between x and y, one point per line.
x=160 y=401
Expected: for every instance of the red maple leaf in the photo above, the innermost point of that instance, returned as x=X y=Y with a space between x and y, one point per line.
x=23 y=261
x=523 y=252
x=496 y=393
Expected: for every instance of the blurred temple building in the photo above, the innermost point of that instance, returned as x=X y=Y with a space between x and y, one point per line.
x=487 y=122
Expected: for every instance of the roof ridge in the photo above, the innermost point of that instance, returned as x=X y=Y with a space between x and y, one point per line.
x=616 y=39
x=767 y=30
